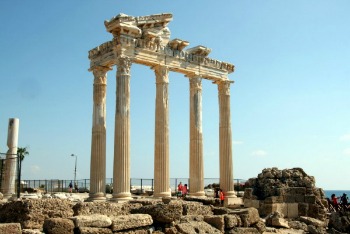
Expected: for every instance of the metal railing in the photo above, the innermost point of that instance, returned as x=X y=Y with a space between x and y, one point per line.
x=139 y=185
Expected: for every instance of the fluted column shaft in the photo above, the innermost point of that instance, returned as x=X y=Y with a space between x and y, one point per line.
x=10 y=167
x=98 y=141
x=161 y=145
x=196 y=138
x=121 y=168
x=226 y=164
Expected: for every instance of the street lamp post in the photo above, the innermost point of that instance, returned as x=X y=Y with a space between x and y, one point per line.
x=75 y=167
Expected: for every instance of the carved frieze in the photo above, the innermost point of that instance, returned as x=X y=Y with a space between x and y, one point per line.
x=145 y=40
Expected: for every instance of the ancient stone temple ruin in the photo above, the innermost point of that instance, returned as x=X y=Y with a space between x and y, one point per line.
x=146 y=40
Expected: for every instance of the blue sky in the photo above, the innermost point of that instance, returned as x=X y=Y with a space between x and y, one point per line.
x=289 y=102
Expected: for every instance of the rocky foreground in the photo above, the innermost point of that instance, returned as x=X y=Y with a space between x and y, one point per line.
x=295 y=207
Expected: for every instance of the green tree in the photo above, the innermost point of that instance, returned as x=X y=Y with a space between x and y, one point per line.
x=21 y=153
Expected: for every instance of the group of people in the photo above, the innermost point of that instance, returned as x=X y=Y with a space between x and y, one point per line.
x=342 y=205
x=71 y=187
x=182 y=190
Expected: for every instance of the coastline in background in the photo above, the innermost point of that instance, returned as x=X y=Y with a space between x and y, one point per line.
x=338 y=193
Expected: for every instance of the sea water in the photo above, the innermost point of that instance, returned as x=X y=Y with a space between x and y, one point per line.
x=338 y=193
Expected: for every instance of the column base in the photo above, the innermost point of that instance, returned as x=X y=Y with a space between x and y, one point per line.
x=230 y=194
x=234 y=202
x=199 y=194
x=162 y=194
x=96 y=197
x=121 y=197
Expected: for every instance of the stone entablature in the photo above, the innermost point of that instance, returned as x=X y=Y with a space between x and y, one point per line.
x=146 y=41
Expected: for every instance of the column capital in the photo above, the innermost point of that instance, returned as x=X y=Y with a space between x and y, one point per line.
x=162 y=73
x=195 y=83
x=100 y=74
x=124 y=64
x=224 y=86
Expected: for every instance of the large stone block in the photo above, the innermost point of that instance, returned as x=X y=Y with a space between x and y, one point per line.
x=123 y=222
x=267 y=209
x=273 y=199
x=216 y=221
x=58 y=226
x=196 y=208
x=94 y=230
x=249 y=216
x=232 y=221
x=292 y=210
x=252 y=203
x=163 y=213
x=303 y=209
x=10 y=228
x=104 y=208
x=311 y=199
x=194 y=227
x=32 y=213
x=96 y=220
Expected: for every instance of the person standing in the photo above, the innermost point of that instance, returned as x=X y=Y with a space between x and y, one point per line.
x=222 y=197
x=184 y=190
x=70 y=187
x=179 y=190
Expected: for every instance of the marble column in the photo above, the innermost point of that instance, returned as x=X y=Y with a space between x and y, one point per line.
x=226 y=164
x=98 y=141
x=121 y=167
x=10 y=167
x=161 y=145
x=196 y=182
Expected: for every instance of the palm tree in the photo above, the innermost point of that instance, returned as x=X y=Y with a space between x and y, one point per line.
x=21 y=153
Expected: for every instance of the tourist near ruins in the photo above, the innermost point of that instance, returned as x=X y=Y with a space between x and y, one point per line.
x=276 y=201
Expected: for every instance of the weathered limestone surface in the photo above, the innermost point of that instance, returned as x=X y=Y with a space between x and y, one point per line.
x=95 y=220
x=177 y=216
x=162 y=213
x=31 y=231
x=289 y=191
x=340 y=221
x=58 y=226
x=195 y=208
x=10 y=228
x=194 y=227
x=32 y=213
x=123 y=222
x=104 y=208
x=217 y=221
x=92 y=230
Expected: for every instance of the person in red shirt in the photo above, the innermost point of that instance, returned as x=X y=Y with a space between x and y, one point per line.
x=334 y=200
x=184 y=190
x=222 y=197
x=179 y=190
